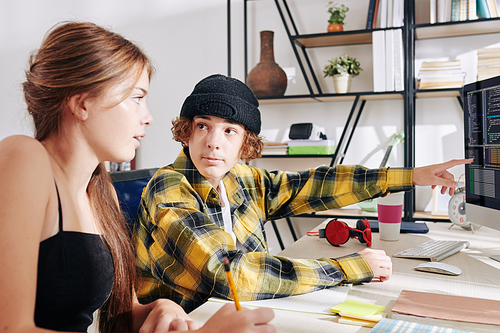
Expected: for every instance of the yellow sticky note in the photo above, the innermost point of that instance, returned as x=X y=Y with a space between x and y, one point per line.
x=357 y=308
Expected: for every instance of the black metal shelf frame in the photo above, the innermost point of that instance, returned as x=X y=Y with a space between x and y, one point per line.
x=411 y=33
x=314 y=88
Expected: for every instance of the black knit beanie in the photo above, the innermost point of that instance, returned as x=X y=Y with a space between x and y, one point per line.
x=224 y=97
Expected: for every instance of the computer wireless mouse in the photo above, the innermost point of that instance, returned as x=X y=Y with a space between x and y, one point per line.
x=438 y=267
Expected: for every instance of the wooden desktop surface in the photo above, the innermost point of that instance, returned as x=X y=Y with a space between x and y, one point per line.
x=480 y=278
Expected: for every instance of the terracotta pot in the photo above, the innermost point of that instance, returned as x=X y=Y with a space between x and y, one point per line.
x=335 y=27
x=267 y=78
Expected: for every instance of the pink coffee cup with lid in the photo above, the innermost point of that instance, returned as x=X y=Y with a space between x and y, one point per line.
x=390 y=213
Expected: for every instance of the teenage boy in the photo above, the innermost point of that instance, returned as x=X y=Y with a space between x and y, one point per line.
x=206 y=205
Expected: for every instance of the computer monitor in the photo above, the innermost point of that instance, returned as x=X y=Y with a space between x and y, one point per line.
x=482 y=143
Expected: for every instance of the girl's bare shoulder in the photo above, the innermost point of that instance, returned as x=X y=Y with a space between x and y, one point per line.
x=23 y=153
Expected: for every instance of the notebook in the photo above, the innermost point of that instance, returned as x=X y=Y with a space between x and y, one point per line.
x=400 y=326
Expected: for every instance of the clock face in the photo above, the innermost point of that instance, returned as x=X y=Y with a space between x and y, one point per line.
x=456 y=207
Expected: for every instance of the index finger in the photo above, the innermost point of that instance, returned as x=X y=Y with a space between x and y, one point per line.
x=453 y=163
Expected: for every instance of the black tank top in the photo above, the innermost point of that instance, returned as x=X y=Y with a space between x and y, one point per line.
x=75 y=276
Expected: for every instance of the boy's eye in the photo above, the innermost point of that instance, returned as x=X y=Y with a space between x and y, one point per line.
x=137 y=99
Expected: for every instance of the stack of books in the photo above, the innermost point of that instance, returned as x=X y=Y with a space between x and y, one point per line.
x=488 y=63
x=439 y=11
x=440 y=75
x=311 y=147
x=275 y=148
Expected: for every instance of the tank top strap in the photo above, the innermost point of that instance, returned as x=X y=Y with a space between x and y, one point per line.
x=60 y=218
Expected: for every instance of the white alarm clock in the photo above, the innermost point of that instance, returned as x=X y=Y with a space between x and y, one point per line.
x=456 y=210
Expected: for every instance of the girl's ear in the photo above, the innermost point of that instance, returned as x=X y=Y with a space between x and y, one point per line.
x=77 y=106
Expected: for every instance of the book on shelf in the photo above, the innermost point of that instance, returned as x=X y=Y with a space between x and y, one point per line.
x=400 y=13
x=451 y=78
x=441 y=80
x=441 y=84
x=455 y=10
x=443 y=11
x=441 y=72
x=488 y=62
x=482 y=9
x=432 y=10
x=275 y=148
x=487 y=72
x=375 y=14
x=378 y=57
x=463 y=10
x=311 y=147
x=437 y=67
x=486 y=76
x=371 y=12
x=492 y=7
x=486 y=53
x=389 y=60
x=399 y=62
x=307 y=142
x=390 y=17
x=444 y=64
x=383 y=14
x=472 y=10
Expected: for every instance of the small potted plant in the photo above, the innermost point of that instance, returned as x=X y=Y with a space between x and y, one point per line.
x=337 y=16
x=342 y=70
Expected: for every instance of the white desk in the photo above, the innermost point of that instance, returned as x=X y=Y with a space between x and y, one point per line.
x=480 y=278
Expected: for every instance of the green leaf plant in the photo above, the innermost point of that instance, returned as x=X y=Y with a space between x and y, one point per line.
x=337 y=13
x=341 y=65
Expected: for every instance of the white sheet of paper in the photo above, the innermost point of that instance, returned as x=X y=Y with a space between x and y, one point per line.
x=316 y=302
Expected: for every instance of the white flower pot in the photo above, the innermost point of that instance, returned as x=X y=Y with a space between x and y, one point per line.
x=342 y=83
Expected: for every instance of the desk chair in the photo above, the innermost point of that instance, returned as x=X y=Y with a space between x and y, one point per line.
x=129 y=185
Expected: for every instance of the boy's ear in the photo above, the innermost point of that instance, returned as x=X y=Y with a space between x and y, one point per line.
x=77 y=106
x=186 y=143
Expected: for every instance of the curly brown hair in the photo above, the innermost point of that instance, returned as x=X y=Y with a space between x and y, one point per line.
x=250 y=149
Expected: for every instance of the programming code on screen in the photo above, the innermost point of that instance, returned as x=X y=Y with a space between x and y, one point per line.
x=481 y=106
x=483 y=142
x=492 y=115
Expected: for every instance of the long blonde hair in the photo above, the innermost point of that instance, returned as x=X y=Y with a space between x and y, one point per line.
x=82 y=57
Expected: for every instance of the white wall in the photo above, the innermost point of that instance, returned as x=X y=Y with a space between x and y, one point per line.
x=187 y=40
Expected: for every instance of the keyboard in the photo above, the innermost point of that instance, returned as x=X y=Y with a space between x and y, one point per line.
x=435 y=250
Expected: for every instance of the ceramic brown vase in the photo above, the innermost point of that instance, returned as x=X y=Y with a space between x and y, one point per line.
x=267 y=78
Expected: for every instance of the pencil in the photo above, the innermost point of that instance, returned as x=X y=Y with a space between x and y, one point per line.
x=230 y=282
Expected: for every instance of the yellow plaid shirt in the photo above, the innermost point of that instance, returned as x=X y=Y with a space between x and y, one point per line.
x=180 y=239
